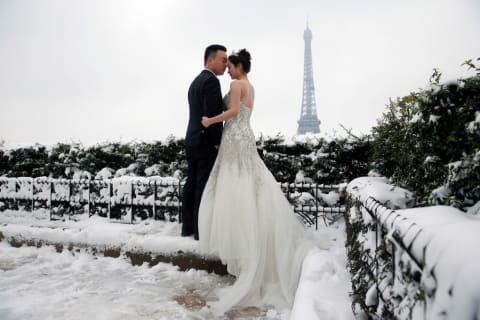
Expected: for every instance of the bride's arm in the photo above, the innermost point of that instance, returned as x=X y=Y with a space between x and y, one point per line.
x=235 y=92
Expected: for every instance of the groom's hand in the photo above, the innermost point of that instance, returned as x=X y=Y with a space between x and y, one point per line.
x=205 y=122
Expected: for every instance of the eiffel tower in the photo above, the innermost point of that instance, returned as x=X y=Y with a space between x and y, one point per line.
x=308 y=118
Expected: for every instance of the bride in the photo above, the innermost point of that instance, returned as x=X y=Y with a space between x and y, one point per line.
x=244 y=218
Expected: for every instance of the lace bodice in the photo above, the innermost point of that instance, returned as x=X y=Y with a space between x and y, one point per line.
x=238 y=139
x=241 y=122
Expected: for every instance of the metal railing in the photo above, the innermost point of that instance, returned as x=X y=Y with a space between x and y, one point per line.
x=401 y=261
x=393 y=263
x=137 y=198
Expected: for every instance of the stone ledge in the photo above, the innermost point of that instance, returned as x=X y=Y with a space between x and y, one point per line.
x=184 y=260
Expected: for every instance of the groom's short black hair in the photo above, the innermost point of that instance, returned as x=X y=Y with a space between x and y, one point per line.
x=211 y=50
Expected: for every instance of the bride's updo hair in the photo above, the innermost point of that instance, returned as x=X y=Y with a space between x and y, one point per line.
x=243 y=57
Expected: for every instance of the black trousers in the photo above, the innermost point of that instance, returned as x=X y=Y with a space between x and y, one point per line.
x=200 y=164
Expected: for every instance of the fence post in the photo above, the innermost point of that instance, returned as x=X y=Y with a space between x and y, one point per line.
x=155 y=200
x=89 y=198
x=33 y=195
x=71 y=209
x=131 y=200
x=50 y=202
x=17 y=187
x=110 y=194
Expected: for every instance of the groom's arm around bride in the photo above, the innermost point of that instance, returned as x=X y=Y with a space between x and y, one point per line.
x=201 y=144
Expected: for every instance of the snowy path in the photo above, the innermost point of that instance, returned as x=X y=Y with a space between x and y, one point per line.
x=43 y=284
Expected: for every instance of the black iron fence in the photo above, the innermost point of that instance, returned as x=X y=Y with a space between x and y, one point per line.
x=404 y=265
x=131 y=199
x=386 y=271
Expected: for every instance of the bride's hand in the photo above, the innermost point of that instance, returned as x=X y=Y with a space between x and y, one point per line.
x=205 y=122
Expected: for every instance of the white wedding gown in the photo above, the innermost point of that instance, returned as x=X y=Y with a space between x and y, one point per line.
x=247 y=222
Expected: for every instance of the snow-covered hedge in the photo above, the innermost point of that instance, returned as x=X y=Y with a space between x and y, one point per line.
x=410 y=263
x=72 y=160
x=429 y=142
x=310 y=159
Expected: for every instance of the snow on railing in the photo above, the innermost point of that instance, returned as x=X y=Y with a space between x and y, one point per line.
x=418 y=263
x=128 y=199
x=124 y=199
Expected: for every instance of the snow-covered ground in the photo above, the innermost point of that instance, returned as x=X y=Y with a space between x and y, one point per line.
x=43 y=284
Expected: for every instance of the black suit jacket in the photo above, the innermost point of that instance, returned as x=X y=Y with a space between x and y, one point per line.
x=204 y=99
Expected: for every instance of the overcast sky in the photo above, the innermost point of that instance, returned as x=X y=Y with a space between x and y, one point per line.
x=93 y=71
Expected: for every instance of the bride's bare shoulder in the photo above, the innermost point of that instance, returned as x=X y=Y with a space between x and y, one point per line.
x=243 y=83
x=235 y=85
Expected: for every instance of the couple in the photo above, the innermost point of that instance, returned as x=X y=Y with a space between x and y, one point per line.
x=243 y=216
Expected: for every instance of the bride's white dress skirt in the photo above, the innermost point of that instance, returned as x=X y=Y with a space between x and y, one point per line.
x=247 y=222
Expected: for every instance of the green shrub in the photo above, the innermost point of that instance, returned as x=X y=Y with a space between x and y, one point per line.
x=422 y=135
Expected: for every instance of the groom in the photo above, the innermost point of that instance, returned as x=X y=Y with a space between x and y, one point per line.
x=201 y=144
